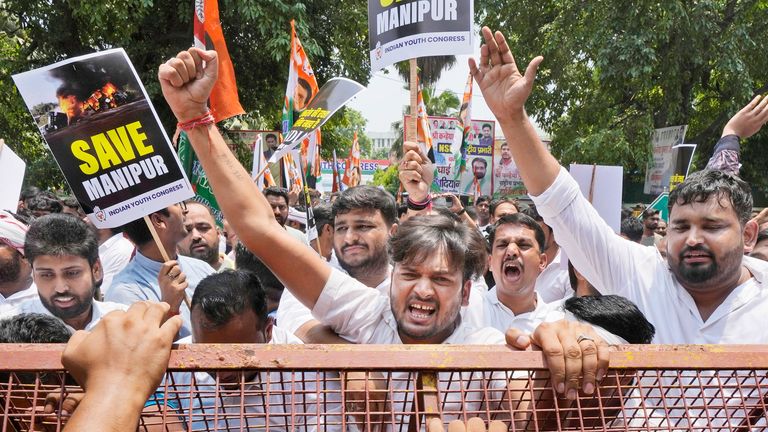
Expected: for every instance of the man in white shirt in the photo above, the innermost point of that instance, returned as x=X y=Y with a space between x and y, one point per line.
x=16 y=283
x=363 y=219
x=279 y=201
x=231 y=307
x=202 y=240
x=552 y=284
x=706 y=291
x=516 y=261
x=482 y=207
x=64 y=255
x=115 y=252
x=432 y=270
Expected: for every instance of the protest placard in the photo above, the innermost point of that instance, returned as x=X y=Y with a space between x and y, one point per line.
x=13 y=169
x=446 y=139
x=658 y=172
x=333 y=95
x=507 y=181
x=96 y=119
x=402 y=30
x=682 y=156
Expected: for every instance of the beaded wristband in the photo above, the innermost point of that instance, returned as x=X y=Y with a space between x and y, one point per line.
x=414 y=205
x=204 y=120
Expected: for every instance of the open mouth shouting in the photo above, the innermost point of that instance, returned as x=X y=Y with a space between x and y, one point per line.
x=512 y=270
x=421 y=312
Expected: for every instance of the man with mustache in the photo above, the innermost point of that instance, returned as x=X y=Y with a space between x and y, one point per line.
x=433 y=267
x=64 y=254
x=706 y=292
x=363 y=220
x=202 y=240
x=231 y=307
x=516 y=261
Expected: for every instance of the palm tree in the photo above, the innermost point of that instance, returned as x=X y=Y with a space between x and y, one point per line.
x=430 y=69
x=445 y=104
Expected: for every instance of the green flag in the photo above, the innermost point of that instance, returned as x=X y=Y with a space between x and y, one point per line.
x=661 y=203
x=196 y=175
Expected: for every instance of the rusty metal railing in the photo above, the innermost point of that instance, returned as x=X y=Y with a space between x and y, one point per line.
x=397 y=388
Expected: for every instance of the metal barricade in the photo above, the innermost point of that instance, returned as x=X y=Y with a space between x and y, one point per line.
x=399 y=388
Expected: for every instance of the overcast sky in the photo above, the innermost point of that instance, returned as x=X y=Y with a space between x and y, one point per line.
x=385 y=98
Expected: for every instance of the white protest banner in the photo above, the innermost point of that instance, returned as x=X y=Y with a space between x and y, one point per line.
x=405 y=29
x=602 y=186
x=13 y=169
x=658 y=172
x=96 y=119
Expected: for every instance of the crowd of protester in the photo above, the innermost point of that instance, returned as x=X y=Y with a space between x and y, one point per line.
x=550 y=273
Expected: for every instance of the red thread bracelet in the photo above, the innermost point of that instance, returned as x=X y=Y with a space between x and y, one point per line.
x=204 y=120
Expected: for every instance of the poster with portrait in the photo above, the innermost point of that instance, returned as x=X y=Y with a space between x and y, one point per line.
x=476 y=178
x=506 y=177
x=662 y=167
x=96 y=119
x=247 y=139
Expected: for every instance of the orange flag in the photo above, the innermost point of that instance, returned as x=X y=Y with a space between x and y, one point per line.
x=224 y=101
x=352 y=173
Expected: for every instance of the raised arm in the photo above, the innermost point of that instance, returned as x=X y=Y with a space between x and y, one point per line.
x=505 y=91
x=186 y=83
x=742 y=125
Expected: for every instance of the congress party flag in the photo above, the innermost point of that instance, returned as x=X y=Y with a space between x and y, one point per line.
x=301 y=89
x=335 y=173
x=352 y=173
x=465 y=124
x=332 y=96
x=423 y=132
x=224 y=101
x=104 y=134
x=259 y=163
x=200 y=184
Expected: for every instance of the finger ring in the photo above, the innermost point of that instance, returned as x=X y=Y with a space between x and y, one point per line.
x=583 y=337
x=170 y=276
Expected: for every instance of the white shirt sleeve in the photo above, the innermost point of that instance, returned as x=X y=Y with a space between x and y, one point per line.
x=291 y=313
x=350 y=308
x=608 y=261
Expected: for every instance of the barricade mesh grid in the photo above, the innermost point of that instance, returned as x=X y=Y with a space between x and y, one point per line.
x=338 y=388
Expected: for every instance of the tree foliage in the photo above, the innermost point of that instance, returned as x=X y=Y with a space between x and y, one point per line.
x=615 y=70
x=34 y=34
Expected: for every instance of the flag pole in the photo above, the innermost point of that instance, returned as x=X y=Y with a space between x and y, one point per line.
x=163 y=253
x=414 y=87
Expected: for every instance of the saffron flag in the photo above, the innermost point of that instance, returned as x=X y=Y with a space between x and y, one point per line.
x=300 y=90
x=208 y=35
x=465 y=124
x=352 y=171
x=293 y=171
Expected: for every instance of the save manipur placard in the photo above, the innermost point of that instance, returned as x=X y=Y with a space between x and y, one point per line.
x=404 y=29
x=96 y=119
